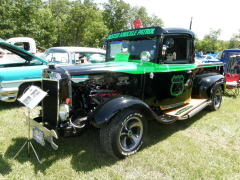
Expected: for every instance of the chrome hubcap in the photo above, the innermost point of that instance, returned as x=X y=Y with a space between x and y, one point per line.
x=131 y=134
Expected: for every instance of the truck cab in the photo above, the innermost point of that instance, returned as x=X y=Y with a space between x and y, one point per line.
x=149 y=74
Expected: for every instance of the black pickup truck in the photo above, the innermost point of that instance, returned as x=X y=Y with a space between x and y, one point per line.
x=149 y=74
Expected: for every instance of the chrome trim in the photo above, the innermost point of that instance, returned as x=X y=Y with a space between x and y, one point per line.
x=20 y=81
x=28 y=77
x=8 y=94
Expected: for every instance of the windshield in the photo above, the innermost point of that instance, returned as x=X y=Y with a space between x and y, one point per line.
x=56 y=56
x=134 y=48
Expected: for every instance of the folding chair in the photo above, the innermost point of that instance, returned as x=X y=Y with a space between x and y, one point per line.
x=232 y=83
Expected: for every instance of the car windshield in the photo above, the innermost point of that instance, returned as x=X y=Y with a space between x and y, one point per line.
x=56 y=56
x=133 y=47
x=233 y=54
x=92 y=57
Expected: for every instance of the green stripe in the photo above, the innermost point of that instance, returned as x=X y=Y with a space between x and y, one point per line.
x=135 y=67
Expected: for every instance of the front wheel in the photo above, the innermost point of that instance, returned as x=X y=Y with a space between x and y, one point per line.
x=216 y=98
x=124 y=135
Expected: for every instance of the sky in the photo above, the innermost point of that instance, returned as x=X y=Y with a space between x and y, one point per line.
x=206 y=14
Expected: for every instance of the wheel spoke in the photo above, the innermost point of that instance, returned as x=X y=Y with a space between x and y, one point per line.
x=123 y=134
x=131 y=134
x=135 y=139
x=135 y=124
x=124 y=142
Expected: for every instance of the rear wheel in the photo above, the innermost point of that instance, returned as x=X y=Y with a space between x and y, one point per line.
x=125 y=133
x=216 y=98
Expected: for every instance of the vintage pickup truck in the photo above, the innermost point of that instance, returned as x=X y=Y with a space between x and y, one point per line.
x=17 y=75
x=26 y=43
x=139 y=81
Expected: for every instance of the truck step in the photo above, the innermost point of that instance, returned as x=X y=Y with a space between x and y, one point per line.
x=188 y=110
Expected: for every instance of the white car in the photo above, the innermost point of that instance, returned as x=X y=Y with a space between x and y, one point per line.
x=74 y=55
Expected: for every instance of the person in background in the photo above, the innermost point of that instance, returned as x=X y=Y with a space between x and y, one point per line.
x=83 y=60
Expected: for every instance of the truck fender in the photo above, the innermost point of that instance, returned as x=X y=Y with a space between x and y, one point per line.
x=203 y=85
x=103 y=114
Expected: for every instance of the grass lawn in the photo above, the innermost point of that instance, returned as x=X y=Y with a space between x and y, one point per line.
x=206 y=146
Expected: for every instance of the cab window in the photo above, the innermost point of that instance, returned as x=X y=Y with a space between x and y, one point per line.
x=175 y=50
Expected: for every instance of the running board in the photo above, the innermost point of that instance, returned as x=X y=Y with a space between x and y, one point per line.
x=183 y=112
x=195 y=111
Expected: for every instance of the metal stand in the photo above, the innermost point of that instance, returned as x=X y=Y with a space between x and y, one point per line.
x=28 y=142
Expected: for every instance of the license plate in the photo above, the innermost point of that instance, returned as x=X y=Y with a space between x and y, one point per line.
x=38 y=135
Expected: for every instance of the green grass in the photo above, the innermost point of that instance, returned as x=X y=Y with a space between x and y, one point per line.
x=206 y=146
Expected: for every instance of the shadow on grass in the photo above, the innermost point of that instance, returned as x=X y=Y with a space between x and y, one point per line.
x=5 y=167
x=9 y=105
x=85 y=151
x=157 y=132
x=230 y=95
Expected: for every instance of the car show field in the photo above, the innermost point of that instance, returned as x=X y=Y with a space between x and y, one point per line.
x=95 y=90
x=195 y=149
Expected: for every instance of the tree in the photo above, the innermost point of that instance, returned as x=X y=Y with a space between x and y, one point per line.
x=60 y=11
x=210 y=42
x=115 y=15
x=234 y=41
x=27 y=18
x=212 y=39
x=47 y=34
x=138 y=12
x=17 y=17
x=84 y=26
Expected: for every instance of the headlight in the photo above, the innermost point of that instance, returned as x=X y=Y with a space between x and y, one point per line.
x=63 y=112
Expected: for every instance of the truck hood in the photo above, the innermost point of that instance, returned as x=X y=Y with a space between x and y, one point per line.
x=20 y=52
x=127 y=67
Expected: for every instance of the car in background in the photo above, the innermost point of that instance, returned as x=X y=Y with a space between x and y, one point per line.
x=208 y=59
x=227 y=56
x=204 y=58
x=74 y=55
x=15 y=79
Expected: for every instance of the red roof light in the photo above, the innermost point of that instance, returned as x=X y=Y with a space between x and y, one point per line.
x=137 y=23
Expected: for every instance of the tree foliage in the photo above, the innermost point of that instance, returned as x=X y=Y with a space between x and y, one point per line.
x=211 y=42
x=115 y=15
x=83 y=23
x=235 y=41
x=138 y=12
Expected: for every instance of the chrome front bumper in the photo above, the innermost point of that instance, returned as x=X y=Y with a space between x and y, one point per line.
x=8 y=94
x=46 y=134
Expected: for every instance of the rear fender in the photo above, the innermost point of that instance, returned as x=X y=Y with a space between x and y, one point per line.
x=203 y=85
x=103 y=114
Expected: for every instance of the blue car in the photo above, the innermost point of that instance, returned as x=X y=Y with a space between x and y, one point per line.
x=15 y=78
x=227 y=57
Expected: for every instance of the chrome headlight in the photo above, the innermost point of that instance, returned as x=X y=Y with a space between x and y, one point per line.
x=64 y=112
x=145 y=56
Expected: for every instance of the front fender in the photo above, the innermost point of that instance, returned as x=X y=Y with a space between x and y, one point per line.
x=203 y=85
x=102 y=115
